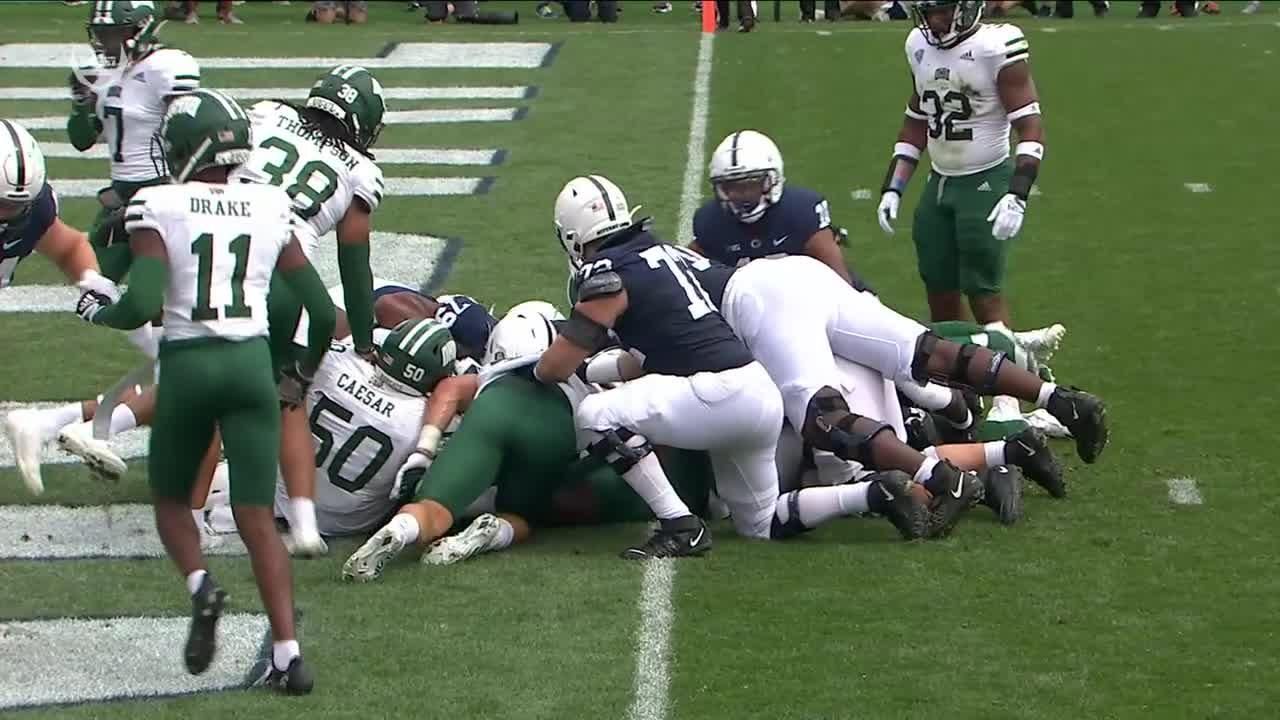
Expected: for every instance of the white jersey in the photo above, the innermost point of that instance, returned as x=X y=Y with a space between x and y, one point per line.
x=968 y=125
x=132 y=107
x=322 y=180
x=364 y=431
x=223 y=242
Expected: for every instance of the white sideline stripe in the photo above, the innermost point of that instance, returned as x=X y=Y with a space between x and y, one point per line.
x=1183 y=491
x=128 y=445
x=691 y=190
x=394 y=117
x=1198 y=187
x=653 y=641
x=89 y=187
x=404 y=55
x=57 y=532
x=456 y=92
x=861 y=194
x=73 y=661
x=386 y=156
x=394 y=255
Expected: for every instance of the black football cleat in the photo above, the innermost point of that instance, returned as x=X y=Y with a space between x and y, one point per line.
x=963 y=489
x=202 y=636
x=684 y=536
x=1029 y=451
x=908 y=513
x=293 y=680
x=1002 y=492
x=1085 y=416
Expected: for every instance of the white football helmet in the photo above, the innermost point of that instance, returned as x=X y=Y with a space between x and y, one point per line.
x=589 y=208
x=526 y=330
x=746 y=172
x=22 y=173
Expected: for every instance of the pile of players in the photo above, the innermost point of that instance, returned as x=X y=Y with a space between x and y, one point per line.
x=748 y=375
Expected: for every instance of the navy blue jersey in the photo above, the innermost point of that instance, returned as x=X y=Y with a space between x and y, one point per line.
x=784 y=229
x=670 y=319
x=19 y=237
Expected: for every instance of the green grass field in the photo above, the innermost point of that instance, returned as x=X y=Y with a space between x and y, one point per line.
x=1116 y=603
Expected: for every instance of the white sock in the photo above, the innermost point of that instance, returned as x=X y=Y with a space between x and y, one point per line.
x=283 y=652
x=817 y=505
x=506 y=536
x=650 y=482
x=197 y=516
x=405 y=527
x=54 y=419
x=194 y=579
x=303 y=516
x=1046 y=391
x=926 y=470
x=995 y=453
x=122 y=419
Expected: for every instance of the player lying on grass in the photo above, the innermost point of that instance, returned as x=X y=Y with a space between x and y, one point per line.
x=519 y=436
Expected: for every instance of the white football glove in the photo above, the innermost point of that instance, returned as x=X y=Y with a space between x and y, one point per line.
x=887 y=212
x=91 y=281
x=1006 y=217
x=415 y=461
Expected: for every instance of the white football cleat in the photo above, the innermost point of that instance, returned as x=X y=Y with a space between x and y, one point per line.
x=472 y=541
x=209 y=538
x=1046 y=423
x=306 y=545
x=27 y=437
x=1042 y=342
x=77 y=439
x=365 y=564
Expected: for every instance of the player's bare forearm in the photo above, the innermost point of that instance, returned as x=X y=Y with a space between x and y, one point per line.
x=357 y=278
x=560 y=360
x=915 y=132
x=69 y=249
x=823 y=246
x=449 y=399
x=912 y=140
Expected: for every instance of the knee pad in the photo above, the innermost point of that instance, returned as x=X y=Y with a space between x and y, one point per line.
x=925 y=346
x=793 y=526
x=621 y=449
x=829 y=425
x=960 y=373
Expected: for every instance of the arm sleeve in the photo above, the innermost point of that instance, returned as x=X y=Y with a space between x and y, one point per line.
x=357 y=291
x=179 y=74
x=307 y=285
x=148 y=277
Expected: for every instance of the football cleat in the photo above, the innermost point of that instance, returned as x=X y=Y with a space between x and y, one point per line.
x=1002 y=492
x=472 y=541
x=1042 y=342
x=963 y=489
x=1085 y=416
x=293 y=680
x=77 y=439
x=27 y=437
x=202 y=637
x=366 y=563
x=907 y=511
x=1041 y=420
x=1030 y=452
x=684 y=536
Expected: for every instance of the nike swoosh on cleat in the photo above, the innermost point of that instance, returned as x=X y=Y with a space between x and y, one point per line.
x=1030 y=450
x=959 y=488
x=694 y=542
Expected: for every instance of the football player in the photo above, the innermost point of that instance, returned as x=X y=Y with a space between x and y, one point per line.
x=123 y=102
x=205 y=251
x=972 y=85
x=694 y=385
x=29 y=223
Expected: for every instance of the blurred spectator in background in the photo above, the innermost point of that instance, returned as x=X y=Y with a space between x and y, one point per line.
x=1060 y=8
x=327 y=12
x=187 y=12
x=580 y=10
x=466 y=11
x=1253 y=7
x=1180 y=8
x=746 y=15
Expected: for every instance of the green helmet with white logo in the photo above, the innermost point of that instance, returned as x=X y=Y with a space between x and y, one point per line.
x=417 y=354
x=354 y=97
x=122 y=30
x=203 y=129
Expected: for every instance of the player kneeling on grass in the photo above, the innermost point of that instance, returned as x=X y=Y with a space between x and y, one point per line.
x=205 y=251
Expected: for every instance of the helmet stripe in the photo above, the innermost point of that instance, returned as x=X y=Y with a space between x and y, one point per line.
x=413 y=351
x=230 y=106
x=412 y=335
x=20 y=152
x=608 y=203
x=733 y=151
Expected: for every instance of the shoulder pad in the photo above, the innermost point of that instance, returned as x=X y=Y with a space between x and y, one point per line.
x=599 y=285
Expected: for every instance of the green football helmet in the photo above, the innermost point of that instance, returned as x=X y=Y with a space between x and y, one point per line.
x=201 y=129
x=417 y=354
x=122 y=31
x=353 y=96
x=965 y=17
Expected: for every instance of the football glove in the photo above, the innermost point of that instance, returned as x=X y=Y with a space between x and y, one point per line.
x=887 y=212
x=294 y=382
x=91 y=281
x=91 y=303
x=418 y=460
x=1006 y=217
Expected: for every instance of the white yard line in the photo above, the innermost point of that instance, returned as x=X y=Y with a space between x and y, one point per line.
x=1183 y=491
x=455 y=92
x=89 y=187
x=691 y=190
x=385 y=156
x=1198 y=187
x=653 y=642
x=393 y=117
